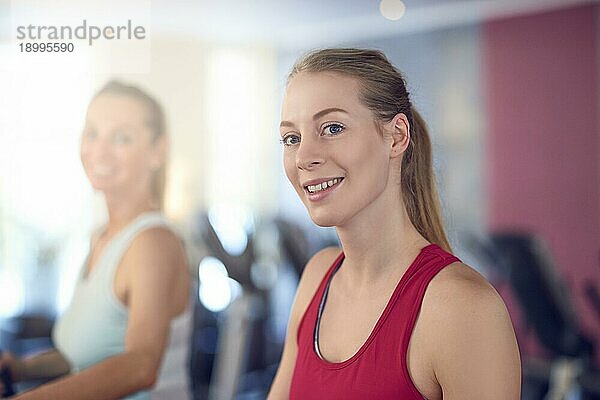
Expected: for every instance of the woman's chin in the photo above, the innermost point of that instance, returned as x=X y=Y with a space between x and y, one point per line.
x=106 y=188
x=324 y=220
x=100 y=186
x=97 y=187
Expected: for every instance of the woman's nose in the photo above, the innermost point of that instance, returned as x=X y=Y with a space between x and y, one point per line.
x=309 y=154
x=97 y=148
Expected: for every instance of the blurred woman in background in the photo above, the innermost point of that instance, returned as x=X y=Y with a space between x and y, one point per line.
x=126 y=332
x=393 y=315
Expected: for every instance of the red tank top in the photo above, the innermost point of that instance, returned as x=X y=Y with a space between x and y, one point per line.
x=378 y=370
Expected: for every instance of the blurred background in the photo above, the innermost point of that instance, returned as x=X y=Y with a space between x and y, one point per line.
x=510 y=90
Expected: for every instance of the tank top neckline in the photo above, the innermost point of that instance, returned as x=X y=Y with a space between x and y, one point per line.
x=315 y=353
x=87 y=275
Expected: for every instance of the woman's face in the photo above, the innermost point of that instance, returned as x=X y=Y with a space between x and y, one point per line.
x=117 y=147
x=334 y=155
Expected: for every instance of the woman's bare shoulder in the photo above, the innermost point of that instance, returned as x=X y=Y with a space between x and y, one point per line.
x=459 y=291
x=313 y=274
x=155 y=246
x=459 y=280
x=468 y=331
x=161 y=237
x=318 y=265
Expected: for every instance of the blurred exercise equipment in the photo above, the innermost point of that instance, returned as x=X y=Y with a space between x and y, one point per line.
x=244 y=262
x=24 y=335
x=7 y=382
x=524 y=261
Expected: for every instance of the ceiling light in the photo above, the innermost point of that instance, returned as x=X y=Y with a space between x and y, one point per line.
x=392 y=9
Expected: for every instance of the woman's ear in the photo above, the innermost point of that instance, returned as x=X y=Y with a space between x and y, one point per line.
x=400 y=133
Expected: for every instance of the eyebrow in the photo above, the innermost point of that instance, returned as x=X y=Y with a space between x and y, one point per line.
x=124 y=126
x=317 y=115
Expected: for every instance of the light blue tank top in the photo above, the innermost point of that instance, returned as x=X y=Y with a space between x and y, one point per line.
x=93 y=326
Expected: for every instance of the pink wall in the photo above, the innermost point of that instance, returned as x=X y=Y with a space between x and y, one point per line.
x=543 y=144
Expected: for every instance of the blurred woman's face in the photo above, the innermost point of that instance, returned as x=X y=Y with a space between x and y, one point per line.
x=334 y=155
x=117 y=147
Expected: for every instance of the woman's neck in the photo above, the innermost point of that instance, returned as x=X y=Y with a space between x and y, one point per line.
x=123 y=209
x=380 y=238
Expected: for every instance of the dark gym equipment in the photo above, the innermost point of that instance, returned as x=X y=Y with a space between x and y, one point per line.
x=523 y=260
x=7 y=382
x=244 y=356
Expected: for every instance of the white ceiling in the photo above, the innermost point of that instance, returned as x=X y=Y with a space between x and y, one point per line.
x=288 y=24
x=298 y=23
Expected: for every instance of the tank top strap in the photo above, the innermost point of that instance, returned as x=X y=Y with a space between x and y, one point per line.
x=432 y=260
x=408 y=305
x=117 y=247
x=313 y=307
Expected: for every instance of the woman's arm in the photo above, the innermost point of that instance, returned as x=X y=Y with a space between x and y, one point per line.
x=112 y=378
x=155 y=262
x=50 y=364
x=47 y=365
x=311 y=277
x=475 y=354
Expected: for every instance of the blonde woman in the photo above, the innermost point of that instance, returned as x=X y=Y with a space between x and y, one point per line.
x=126 y=331
x=393 y=314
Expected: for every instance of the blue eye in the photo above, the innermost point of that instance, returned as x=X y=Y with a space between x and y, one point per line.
x=333 y=129
x=290 y=140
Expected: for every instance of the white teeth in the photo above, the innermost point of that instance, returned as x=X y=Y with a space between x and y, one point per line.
x=322 y=185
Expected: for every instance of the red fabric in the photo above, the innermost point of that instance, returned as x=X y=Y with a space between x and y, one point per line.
x=378 y=370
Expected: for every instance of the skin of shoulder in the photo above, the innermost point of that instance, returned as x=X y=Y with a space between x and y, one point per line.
x=467 y=329
x=157 y=267
x=152 y=249
x=312 y=275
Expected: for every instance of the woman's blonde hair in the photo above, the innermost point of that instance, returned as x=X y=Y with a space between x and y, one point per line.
x=383 y=91
x=156 y=123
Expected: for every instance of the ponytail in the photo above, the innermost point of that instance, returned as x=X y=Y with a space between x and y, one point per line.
x=418 y=185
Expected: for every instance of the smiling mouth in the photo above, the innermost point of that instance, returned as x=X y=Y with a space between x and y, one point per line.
x=323 y=185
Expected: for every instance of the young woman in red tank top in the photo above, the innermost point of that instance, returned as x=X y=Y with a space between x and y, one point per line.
x=393 y=314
